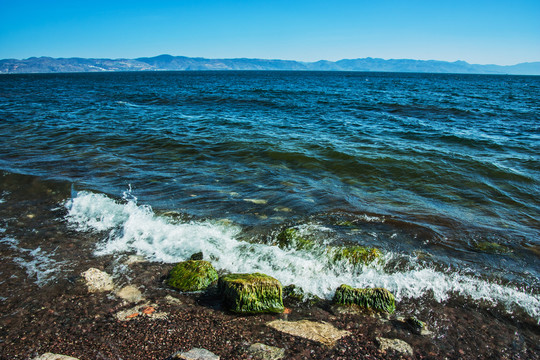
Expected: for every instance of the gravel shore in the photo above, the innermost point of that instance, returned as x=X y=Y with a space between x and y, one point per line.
x=46 y=306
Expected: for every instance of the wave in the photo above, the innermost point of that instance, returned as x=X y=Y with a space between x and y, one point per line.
x=129 y=227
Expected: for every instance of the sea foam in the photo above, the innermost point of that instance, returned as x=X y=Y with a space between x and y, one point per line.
x=130 y=227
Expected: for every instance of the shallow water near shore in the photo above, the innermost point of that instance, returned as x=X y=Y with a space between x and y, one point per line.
x=440 y=172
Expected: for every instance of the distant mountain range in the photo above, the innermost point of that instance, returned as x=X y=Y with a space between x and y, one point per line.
x=181 y=63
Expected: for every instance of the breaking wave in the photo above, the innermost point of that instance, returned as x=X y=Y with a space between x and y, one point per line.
x=130 y=227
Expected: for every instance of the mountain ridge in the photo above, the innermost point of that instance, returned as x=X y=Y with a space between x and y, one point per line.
x=167 y=62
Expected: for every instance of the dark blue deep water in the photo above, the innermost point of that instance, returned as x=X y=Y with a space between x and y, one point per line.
x=442 y=168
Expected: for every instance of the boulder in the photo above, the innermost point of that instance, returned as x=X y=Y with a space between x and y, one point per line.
x=378 y=299
x=266 y=352
x=192 y=275
x=97 y=280
x=251 y=293
x=316 y=331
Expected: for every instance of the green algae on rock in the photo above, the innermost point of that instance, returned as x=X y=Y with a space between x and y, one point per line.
x=355 y=254
x=297 y=295
x=192 y=275
x=290 y=238
x=251 y=293
x=492 y=247
x=378 y=299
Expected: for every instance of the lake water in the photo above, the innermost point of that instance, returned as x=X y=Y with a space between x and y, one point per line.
x=440 y=172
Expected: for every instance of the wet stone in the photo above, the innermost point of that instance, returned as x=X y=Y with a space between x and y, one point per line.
x=266 y=352
x=195 y=354
x=97 y=280
x=130 y=294
x=396 y=345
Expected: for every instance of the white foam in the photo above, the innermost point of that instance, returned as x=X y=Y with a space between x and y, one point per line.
x=38 y=263
x=136 y=228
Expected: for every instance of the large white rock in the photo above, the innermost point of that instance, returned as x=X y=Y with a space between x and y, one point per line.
x=97 y=280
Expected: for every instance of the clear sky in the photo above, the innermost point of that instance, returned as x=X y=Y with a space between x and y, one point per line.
x=477 y=31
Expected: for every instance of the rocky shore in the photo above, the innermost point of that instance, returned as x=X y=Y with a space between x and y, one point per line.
x=89 y=307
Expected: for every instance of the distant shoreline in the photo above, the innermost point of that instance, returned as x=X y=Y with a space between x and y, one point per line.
x=35 y=65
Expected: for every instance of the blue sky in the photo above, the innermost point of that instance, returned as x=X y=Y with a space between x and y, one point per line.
x=482 y=32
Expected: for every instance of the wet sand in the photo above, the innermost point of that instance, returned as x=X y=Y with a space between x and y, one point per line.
x=51 y=310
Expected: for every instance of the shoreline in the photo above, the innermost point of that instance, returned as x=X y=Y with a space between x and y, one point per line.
x=61 y=316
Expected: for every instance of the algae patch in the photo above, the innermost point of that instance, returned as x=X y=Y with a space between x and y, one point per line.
x=192 y=275
x=251 y=293
x=378 y=299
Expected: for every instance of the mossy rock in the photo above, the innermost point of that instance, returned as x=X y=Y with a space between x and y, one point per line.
x=192 y=275
x=355 y=254
x=378 y=299
x=291 y=239
x=251 y=293
x=297 y=295
x=491 y=247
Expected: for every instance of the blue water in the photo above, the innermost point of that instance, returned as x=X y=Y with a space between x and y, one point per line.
x=443 y=168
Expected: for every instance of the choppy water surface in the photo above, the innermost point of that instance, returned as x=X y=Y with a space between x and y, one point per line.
x=441 y=172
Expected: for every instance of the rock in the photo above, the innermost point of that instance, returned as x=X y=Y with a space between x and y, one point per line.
x=195 y=354
x=97 y=280
x=51 y=356
x=396 y=345
x=172 y=300
x=378 y=299
x=415 y=326
x=134 y=259
x=251 y=293
x=290 y=238
x=492 y=247
x=296 y=294
x=321 y=332
x=266 y=352
x=130 y=294
x=192 y=275
x=355 y=255
x=197 y=256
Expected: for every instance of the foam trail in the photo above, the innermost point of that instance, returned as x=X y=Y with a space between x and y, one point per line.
x=131 y=227
x=38 y=263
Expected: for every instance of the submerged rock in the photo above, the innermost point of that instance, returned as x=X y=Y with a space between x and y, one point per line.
x=355 y=255
x=378 y=299
x=396 y=345
x=266 y=352
x=130 y=294
x=192 y=275
x=492 y=247
x=290 y=238
x=321 y=332
x=251 y=293
x=97 y=280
